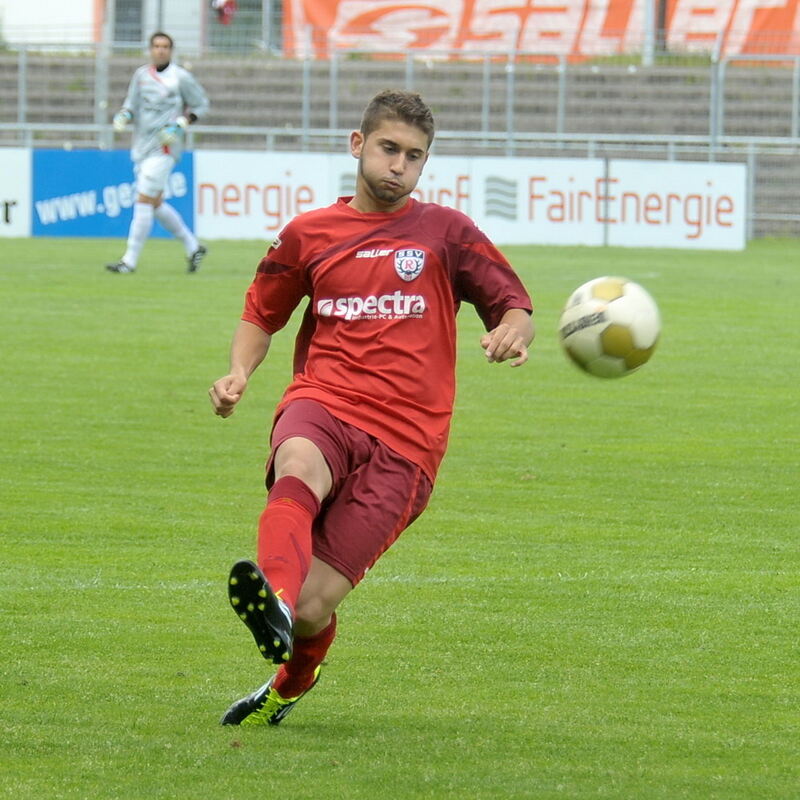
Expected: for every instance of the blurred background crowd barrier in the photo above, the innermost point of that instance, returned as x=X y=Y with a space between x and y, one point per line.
x=655 y=79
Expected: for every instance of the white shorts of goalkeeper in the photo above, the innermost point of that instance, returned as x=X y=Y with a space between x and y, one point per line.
x=152 y=173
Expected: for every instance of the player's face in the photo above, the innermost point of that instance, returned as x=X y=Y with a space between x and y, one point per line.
x=390 y=162
x=160 y=51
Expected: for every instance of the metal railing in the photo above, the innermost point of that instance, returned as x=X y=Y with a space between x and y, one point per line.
x=498 y=88
x=719 y=71
x=495 y=81
x=764 y=216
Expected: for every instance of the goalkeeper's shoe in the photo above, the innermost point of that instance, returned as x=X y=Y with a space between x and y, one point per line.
x=195 y=258
x=265 y=614
x=264 y=706
x=120 y=267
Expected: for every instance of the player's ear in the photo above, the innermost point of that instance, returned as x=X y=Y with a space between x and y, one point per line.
x=356 y=143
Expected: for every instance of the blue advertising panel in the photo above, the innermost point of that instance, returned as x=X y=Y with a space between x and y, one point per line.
x=91 y=192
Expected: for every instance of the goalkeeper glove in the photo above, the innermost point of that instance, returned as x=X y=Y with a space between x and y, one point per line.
x=170 y=134
x=121 y=120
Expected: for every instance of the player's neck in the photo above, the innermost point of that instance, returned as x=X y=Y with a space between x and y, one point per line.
x=161 y=67
x=364 y=203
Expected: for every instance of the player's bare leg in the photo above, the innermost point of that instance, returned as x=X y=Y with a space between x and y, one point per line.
x=302 y=459
x=315 y=629
x=167 y=216
x=265 y=595
x=323 y=591
x=141 y=225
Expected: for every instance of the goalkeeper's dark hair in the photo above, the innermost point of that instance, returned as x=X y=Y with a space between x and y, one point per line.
x=396 y=104
x=162 y=35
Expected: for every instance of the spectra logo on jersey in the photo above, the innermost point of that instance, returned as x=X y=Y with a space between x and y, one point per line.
x=409 y=263
x=387 y=306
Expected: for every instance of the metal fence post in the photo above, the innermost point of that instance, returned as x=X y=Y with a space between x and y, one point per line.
x=561 y=102
x=649 y=44
x=712 y=102
x=716 y=99
x=22 y=84
x=720 y=123
x=510 y=89
x=101 y=88
x=333 y=100
x=486 y=96
x=795 y=97
x=306 y=102
x=266 y=25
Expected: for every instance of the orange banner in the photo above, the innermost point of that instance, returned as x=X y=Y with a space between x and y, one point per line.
x=573 y=28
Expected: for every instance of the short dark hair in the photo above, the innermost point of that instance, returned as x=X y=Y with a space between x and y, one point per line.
x=162 y=35
x=407 y=107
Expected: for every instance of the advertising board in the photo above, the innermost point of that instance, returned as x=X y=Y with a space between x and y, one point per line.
x=91 y=192
x=561 y=201
x=15 y=191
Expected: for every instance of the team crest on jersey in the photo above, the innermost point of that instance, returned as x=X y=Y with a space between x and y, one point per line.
x=409 y=263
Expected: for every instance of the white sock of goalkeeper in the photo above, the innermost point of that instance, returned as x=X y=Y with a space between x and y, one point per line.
x=141 y=225
x=173 y=222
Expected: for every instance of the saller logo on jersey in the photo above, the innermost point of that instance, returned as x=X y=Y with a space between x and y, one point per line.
x=409 y=263
x=388 y=306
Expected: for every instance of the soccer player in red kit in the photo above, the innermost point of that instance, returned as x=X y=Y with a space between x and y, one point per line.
x=360 y=432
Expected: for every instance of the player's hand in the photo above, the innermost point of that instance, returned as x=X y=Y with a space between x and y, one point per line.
x=226 y=393
x=503 y=343
x=171 y=133
x=121 y=120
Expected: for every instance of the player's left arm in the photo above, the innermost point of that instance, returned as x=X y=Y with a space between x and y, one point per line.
x=196 y=104
x=511 y=338
x=130 y=106
x=482 y=275
x=195 y=99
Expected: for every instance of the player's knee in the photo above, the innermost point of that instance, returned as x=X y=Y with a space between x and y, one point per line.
x=312 y=615
x=302 y=459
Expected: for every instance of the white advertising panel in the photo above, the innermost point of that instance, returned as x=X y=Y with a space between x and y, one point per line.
x=676 y=204
x=561 y=201
x=245 y=195
x=538 y=200
x=15 y=191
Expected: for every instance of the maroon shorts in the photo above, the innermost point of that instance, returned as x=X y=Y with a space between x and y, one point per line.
x=376 y=493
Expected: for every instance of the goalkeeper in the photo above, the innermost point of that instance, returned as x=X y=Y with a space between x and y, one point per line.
x=163 y=100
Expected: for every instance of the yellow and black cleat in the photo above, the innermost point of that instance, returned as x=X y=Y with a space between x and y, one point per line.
x=267 y=617
x=264 y=706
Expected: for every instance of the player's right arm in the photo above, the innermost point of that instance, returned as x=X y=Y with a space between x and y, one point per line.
x=277 y=288
x=250 y=346
x=129 y=106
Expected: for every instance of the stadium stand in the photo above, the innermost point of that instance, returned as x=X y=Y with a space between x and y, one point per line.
x=585 y=108
x=662 y=100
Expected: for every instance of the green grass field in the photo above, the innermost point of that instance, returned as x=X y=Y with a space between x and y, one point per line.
x=602 y=600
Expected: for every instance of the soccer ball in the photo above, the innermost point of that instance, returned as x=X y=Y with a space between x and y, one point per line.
x=609 y=327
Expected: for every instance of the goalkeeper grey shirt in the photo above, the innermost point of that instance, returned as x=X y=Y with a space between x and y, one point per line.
x=156 y=99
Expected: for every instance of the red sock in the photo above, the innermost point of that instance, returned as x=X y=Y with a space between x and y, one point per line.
x=297 y=674
x=284 y=537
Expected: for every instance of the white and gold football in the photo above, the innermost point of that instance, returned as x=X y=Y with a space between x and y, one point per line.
x=609 y=327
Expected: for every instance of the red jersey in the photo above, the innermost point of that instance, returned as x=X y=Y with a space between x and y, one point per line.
x=377 y=344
